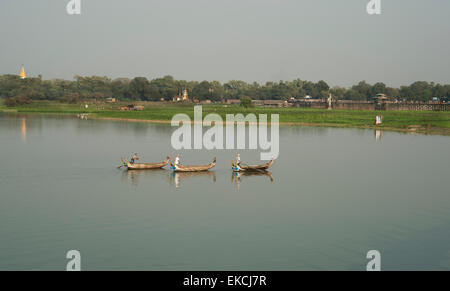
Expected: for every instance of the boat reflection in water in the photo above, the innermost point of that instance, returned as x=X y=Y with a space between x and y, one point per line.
x=133 y=176
x=176 y=177
x=236 y=177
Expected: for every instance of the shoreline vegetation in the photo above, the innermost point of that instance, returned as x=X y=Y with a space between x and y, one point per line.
x=19 y=90
x=424 y=122
x=155 y=98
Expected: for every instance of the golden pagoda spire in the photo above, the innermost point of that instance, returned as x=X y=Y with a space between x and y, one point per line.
x=22 y=74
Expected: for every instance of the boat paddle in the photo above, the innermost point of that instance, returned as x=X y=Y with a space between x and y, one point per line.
x=123 y=164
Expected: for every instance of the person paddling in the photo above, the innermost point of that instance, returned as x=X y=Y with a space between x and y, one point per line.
x=238 y=159
x=177 y=160
x=134 y=158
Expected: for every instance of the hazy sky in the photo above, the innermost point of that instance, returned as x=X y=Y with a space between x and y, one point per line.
x=251 y=40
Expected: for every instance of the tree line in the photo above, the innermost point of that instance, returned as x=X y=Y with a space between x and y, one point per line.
x=19 y=91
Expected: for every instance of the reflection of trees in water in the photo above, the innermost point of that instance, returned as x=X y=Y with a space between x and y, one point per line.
x=139 y=127
x=99 y=125
x=122 y=127
x=176 y=177
x=23 y=122
x=309 y=130
x=90 y=126
x=236 y=177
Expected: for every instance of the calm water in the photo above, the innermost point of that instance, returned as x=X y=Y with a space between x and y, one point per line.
x=335 y=194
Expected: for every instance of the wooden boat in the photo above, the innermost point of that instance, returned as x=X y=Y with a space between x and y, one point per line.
x=240 y=167
x=145 y=166
x=202 y=168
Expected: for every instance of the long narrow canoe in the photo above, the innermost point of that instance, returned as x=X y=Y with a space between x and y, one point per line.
x=202 y=168
x=145 y=166
x=240 y=167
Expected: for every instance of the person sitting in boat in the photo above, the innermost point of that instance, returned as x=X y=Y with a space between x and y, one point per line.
x=238 y=159
x=134 y=158
x=177 y=160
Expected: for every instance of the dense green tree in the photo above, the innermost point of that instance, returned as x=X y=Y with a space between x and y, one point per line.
x=353 y=94
x=202 y=91
x=120 y=88
x=421 y=91
x=246 y=102
x=338 y=92
x=310 y=89
x=235 y=89
x=165 y=88
x=323 y=89
x=95 y=86
x=140 y=88
x=363 y=89
x=378 y=88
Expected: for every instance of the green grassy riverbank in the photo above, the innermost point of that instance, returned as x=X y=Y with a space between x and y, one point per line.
x=416 y=121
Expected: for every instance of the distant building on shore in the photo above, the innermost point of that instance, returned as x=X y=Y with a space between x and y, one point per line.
x=183 y=97
x=270 y=103
x=23 y=74
x=132 y=107
x=234 y=101
x=382 y=98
